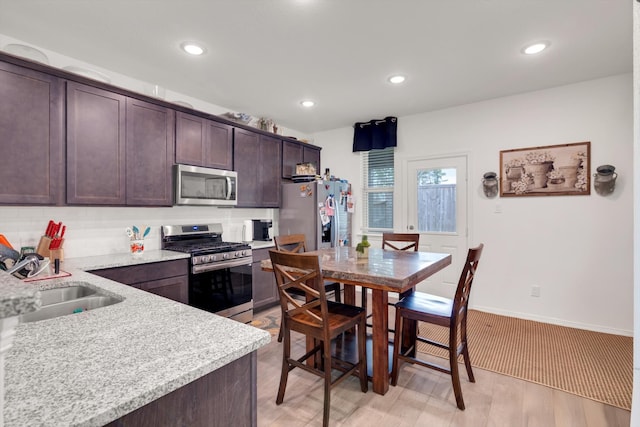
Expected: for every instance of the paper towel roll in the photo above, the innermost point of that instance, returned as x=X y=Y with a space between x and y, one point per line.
x=247 y=231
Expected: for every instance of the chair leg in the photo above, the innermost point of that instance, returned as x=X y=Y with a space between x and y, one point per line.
x=465 y=349
x=286 y=354
x=362 y=356
x=455 y=373
x=467 y=363
x=397 y=343
x=327 y=382
x=336 y=293
x=280 y=333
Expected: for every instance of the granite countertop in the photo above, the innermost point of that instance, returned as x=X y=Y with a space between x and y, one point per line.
x=91 y=368
x=262 y=244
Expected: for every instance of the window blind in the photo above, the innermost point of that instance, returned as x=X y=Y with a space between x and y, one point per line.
x=378 y=178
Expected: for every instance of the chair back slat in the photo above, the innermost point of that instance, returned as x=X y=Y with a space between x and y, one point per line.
x=299 y=274
x=400 y=241
x=290 y=243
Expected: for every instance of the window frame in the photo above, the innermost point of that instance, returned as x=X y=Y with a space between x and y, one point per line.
x=368 y=189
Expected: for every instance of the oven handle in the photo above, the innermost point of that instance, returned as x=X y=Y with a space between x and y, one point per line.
x=202 y=268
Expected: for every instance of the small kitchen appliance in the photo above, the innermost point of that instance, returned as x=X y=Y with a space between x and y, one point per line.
x=220 y=278
x=261 y=229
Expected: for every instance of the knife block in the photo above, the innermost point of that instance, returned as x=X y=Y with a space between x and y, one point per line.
x=56 y=254
x=43 y=246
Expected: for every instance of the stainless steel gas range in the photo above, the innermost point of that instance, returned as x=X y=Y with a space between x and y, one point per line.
x=219 y=272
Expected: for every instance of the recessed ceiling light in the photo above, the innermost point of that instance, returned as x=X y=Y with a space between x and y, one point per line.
x=192 y=48
x=307 y=103
x=397 y=79
x=535 y=48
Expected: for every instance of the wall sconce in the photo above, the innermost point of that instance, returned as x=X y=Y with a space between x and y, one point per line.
x=490 y=184
x=604 y=181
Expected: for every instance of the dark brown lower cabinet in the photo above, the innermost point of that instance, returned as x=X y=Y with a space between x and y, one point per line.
x=225 y=397
x=265 y=292
x=168 y=278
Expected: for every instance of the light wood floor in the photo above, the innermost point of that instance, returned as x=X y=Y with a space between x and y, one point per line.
x=423 y=397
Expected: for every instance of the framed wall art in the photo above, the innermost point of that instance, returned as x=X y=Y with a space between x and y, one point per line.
x=553 y=170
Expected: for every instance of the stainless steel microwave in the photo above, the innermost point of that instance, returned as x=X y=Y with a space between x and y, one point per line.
x=196 y=185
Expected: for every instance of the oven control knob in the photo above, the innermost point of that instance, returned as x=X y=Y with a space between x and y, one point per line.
x=225 y=256
x=238 y=254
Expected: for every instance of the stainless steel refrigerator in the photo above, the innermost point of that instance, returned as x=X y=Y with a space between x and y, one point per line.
x=305 y=208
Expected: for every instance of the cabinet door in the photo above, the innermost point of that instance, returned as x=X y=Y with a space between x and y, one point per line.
x=265 y=292
x=96 y=163
x=149 y=150
x=270 y=167
x=32 y=136
x=218 y=146
x=203 y=142
x=291 y=156
x=190 y=137
x=174 y=288
x=312 y=155
x=246 y=161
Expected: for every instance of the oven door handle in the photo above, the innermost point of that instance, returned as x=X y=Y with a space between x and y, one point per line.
x=202 y=268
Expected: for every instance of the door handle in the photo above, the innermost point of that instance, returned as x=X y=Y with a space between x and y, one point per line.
x=410 y=227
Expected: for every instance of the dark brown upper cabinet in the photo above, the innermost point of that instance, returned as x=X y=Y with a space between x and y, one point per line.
x=257 y=159
x=119 y=149
x=96 y=165
x=31 y=136
x=203 y=142
x=149 y=148
x=294 y=153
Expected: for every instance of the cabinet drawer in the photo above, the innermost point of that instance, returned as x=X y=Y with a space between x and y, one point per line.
x=145 y=272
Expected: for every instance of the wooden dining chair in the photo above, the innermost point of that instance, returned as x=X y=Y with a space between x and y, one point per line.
x=451 y=313
x=317 y=318
x=296 y=243
x=396 y=242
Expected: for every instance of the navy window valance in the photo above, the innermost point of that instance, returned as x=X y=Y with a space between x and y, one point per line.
x=375 y=134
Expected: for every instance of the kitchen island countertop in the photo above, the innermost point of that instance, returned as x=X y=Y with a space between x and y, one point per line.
x=90 y=368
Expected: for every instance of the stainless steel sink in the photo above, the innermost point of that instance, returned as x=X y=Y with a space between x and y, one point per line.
x=54 y=296
x=68 y=300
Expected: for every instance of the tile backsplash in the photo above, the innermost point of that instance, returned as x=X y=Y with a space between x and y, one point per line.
x=101 y=230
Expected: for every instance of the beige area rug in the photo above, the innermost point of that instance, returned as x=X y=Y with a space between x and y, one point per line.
x=590 y=364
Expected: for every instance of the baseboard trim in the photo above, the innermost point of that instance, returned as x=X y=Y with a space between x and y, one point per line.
x=555 y=321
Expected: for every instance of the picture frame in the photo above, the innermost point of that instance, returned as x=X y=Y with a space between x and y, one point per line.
x=552 y=170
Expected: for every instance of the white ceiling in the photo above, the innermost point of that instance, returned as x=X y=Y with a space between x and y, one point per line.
x=265 y=56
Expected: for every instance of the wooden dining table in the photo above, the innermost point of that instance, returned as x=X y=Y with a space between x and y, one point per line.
x=383 y=272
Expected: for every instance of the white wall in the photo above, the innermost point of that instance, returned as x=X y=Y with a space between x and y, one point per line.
x=635 y=409
x=578 y=249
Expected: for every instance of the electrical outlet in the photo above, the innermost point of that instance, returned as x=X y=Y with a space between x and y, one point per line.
x=535 y=291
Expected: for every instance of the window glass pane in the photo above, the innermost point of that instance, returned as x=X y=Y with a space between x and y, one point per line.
x=378 y=179
x=436 y=200
x=380 y=208
x=380 y=168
